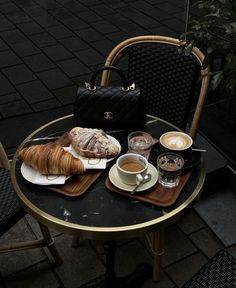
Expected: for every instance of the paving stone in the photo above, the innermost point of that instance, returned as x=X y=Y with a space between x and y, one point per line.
x=103 y=46
x=182 y=271
x=18 y=17
x=46 y=105
x=54 y=79
x=190 y=222
x=218 y=211
x=11 y=262
x=74 y=23
x=73 y=67
x=46 y=21
x=167 y=7
x=49 y=4
x=43 y=39
x=151 y=11
x=66 y=95
x=15 y=108
x=206 y=241
x=5 y=85
x=118 y=37
x=104 y=26
x=164 y=31
x=39 y=62
x=74 y=273
x=127 y=257
x=25 y=48
x=118 y=19
x=3 y=46
x=116 y=4
x=176 y=246
x=90 y=57
x=34 y=10
x=9 y=7
x=175 y=24
x=89 y=34
x=5 y=24
x=74 y=44
x=13 y=36
x=57 y=52
x=74 y=6
x=18 y=74
x=60 y=14
x=134 y=29
x=89 y=16
x=60 y=32
x=9 y=98
x=102 y=10
x=138 y=17
x=30 y=28
x=34 y=91
x=37 y=276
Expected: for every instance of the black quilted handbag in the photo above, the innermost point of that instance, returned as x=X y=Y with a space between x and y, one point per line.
x=109 y=107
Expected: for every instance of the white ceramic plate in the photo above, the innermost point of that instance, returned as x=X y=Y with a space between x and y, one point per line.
x=33 y=176
x=116 y=181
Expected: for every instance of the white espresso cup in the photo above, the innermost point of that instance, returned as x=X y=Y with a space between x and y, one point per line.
x=131 y=168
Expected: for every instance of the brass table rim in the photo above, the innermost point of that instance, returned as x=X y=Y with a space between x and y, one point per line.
x=129 y=231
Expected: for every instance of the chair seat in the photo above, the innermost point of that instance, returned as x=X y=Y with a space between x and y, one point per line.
x=10 y=210
x=218 y=272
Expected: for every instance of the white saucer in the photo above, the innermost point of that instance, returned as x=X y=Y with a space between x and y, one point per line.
x=116 y=181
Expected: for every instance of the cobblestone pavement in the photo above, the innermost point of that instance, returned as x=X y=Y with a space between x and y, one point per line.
x=47 y=49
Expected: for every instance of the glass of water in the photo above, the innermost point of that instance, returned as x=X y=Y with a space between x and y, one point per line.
x=140 y=142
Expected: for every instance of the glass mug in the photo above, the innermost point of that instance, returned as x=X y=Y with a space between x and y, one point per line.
x=169 y=166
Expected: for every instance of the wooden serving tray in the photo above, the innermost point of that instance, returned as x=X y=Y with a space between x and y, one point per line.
x=157 y=195
x=77 y=185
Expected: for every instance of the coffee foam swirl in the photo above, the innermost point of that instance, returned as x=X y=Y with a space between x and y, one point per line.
x=176 y=140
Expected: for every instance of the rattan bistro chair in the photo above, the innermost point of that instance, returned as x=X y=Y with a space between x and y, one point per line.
x=168 y=79
x=218 y=272
x=169 y=82
x=11 y=212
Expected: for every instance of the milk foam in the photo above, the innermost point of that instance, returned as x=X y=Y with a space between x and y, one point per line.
x=177 y=142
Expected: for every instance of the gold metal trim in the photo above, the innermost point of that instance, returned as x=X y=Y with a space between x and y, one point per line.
x=102 y=233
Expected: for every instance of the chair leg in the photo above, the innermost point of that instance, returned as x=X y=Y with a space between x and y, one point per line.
x=155 y=240
x=50 y=244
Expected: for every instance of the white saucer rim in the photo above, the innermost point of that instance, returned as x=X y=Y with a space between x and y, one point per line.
x=129 y=188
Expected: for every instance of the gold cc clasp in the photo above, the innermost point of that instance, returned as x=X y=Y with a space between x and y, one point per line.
x=108 y=115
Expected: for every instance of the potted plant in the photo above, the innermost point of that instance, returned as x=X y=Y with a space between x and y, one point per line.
x=212 y=28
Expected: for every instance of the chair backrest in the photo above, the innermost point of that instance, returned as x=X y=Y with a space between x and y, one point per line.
x=4 y=162
x=167 y=79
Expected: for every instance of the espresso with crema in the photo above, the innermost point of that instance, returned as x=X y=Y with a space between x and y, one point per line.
x=176 y=141
x=132 y=166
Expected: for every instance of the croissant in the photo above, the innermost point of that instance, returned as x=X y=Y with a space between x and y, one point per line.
x=51 y=158
x=92 y=143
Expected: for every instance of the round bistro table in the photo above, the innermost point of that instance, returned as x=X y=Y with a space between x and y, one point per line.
x=99 y=213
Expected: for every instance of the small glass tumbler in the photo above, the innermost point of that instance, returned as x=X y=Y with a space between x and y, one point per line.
x=140 y=142
x=169 y=166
